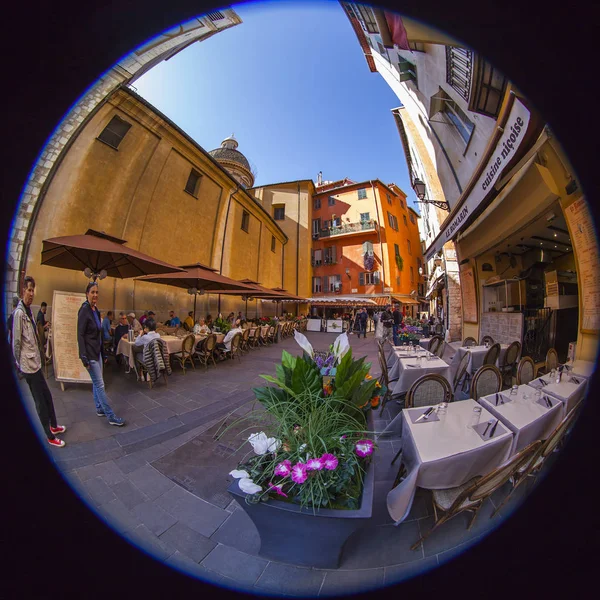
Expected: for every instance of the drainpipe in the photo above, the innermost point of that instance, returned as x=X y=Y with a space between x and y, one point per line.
x=297 y=247
x=380 y=242
x=237 y=187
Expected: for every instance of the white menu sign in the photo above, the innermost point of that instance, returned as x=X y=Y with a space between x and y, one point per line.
x=65 y=351
x=583 y=236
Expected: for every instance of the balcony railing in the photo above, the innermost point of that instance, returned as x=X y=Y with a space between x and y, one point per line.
x=348 y=228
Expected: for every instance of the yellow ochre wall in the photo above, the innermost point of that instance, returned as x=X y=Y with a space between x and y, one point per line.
x=137 y=193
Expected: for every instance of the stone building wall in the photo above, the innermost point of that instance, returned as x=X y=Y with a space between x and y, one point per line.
x=121 y=73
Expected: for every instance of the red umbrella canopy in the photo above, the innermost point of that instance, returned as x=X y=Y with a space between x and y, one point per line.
x=200 y=277
x=98 y=253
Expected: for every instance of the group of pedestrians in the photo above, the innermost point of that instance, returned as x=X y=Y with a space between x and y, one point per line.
x=27 y=354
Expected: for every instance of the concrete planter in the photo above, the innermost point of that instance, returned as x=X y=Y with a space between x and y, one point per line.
x=295 y=535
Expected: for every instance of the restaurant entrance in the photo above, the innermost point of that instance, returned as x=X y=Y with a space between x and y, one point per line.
x=529 y=287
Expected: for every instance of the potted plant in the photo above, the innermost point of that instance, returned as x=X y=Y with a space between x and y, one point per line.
x=222 y=325
x=308 y=482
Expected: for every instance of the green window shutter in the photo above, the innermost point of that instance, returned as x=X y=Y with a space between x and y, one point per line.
x=361 y=279
x=333 y=256
x=376 y=277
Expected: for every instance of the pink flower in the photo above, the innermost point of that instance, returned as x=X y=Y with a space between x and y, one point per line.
x=283 y=469
x=364 y=447
x=299 y=473
x=314 y=464
x=330 y=462
x=278 y=489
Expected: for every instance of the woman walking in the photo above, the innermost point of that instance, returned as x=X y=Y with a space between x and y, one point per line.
x=91 y=351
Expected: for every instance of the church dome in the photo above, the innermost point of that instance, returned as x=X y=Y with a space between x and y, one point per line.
x=233 y=161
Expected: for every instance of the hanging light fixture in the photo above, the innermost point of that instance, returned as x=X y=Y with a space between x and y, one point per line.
x=420 y=190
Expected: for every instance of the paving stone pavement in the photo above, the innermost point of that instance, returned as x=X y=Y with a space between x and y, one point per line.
x=152 y=482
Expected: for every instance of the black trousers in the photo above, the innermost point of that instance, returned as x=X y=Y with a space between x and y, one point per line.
x=43 y=400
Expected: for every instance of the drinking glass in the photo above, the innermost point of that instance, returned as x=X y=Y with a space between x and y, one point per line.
x=514 y=390
x=442 y=409
x=537 y=395
x=525 y=394
x=553 y=374
x=475 y=416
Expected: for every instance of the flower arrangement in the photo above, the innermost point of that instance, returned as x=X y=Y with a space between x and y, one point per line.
x=223 y=325
x=314 y=446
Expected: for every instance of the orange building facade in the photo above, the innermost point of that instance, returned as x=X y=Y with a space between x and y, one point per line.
x=366 y=243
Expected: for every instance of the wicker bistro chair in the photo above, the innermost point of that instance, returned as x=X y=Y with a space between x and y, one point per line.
x=551 y=362
x=486 y=338
x=533 y=467
x=491 y=356
x=509 y=362
x=469 y=341
x=440 y=349
x=270 y=337
x=254 y=340
x=205 y=351
x=245 y=342
x=438 y=328
x=185 y=355
x=434 y=342
x=461 y=373
x=525 y=370
x=236 y=348
x=263 y=338
x=487 y=380
x=428 y=390
x=139 y=359
x=472 y=494
x=384 y=381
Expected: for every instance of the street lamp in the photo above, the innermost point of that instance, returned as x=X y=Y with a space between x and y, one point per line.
x=421 y=191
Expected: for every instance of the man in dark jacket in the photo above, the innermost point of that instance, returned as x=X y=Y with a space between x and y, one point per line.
x=91 y=351
x=387 y=320
x=397 y=324
x=362 y=322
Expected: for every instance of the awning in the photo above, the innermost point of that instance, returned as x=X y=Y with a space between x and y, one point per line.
x=405 y=299
x=514 y=130
x=341 y=301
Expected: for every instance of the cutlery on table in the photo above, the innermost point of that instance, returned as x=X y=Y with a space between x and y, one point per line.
x=488 y=426
x=548 y=402
x=575 y=380
x=543 y=382
x=496 y=398
x=494 y=428
x=426 y=414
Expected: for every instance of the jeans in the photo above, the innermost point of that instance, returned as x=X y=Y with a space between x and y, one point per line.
x=43 y=400
x=100 y=398
x=395 y=334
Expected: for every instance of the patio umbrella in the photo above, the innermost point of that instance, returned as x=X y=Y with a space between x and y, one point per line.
x=99 y=255
x=199 y=278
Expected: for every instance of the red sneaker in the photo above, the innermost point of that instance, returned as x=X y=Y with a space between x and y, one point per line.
x=58 y=429
x=56 y=442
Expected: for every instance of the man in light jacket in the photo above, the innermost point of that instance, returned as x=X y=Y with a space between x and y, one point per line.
x=28 y=359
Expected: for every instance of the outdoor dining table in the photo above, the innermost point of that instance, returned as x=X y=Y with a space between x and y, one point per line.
x=424 y=342
x=568 y=392
x=528 y=416
x=442 y=452
x=173 y=343
x=405 y=368
x=476 y=356
x=583 y=368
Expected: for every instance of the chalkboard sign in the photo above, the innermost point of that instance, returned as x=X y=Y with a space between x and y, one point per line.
x=469 y=294
x=65 y=351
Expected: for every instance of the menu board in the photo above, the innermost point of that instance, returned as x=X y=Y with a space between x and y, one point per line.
x=469 y=295
x=583 y=237
x=65 y=350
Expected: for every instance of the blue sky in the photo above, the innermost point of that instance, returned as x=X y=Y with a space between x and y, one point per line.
x=291 y=82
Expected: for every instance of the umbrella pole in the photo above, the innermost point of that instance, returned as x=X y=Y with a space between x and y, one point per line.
x=195 y=297
x=246 y=313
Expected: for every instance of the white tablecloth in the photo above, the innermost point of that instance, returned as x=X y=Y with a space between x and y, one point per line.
x=476 y=356
x=173 y=345
x=583 y=368
x=568 y=392
x=424 y=343
x=404 y=375
x=527 y=419
x=444 y=454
